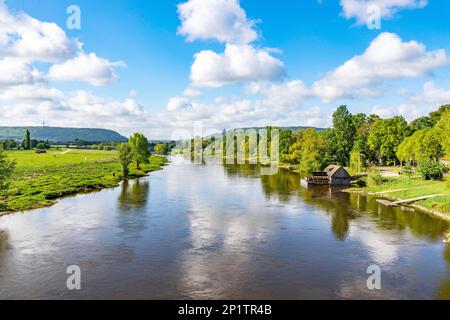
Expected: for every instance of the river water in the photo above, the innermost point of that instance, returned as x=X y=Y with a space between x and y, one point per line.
x=222 y=232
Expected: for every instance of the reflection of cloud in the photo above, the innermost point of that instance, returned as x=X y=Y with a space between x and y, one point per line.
x=225 y=226
x=380 y=249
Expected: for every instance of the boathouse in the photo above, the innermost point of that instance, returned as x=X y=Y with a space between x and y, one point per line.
x=333 y=175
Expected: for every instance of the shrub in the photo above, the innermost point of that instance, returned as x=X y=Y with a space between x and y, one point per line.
x=432 y=170
x=374 y=179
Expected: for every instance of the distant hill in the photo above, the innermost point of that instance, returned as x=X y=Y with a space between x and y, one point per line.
x=61 y=135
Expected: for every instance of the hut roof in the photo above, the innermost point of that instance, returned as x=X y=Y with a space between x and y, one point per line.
x=332 y=169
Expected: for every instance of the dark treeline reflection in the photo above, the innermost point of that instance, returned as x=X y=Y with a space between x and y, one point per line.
x=342 y=207
x=3 y=241
x=133 y=195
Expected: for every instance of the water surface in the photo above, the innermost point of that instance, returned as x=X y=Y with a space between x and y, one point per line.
x=222 y=232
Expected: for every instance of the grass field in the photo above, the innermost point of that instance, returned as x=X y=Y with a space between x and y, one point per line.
x=40 y=179
x=397 y=188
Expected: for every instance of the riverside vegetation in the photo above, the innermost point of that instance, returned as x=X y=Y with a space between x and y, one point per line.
x=39 y=179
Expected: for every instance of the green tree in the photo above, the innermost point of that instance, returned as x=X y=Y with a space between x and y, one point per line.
x=140 y=148
x=286 y=138
x=27 y=140
x=125 y=157
x=344 y=134
x=6 y=169
x=161 y=149
x=385 y=137
x=442 y=131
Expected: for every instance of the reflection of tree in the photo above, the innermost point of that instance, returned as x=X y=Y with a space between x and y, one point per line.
x=444 y=291
x=341 y=206
x=3 y=241
x=134 y=195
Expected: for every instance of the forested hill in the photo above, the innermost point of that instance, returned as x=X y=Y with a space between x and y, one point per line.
x=61 y=135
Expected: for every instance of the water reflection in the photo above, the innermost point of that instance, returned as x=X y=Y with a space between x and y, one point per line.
x=205 y=231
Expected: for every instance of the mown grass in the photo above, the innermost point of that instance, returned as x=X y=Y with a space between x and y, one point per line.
x=414 y=187
x=40 y=179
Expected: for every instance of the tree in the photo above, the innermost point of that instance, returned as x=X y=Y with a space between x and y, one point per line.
x=27 y=140
x=385 y=137
x=344 y=134
x=6 y=169
x=162 y=148
x=125 y=157
x=140 y=148
x=286 y=138
x=442 y=131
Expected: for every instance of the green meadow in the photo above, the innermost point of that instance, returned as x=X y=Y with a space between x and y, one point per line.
x=40 y=179
x=401 y=188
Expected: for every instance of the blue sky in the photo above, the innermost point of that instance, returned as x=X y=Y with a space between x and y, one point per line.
x=301 y=45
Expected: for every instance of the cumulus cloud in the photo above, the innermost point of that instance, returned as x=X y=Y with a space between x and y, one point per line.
x=359 y=9
x=222 y=20
x=25 y=37
x=75 y=109
x=409 y=111
x=290 y=93
x=432 y=94
x=387 y=57
x=238 y=63
x=178 y=103
x=15 y=71
x=88 y=68
x=36 y=92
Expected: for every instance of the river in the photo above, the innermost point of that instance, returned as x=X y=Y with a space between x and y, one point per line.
x=222 y=232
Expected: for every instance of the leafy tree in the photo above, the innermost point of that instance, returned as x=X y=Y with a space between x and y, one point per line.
x=344 y=134
x=162 y=149
x=6 y=169
x=286 y=138
x=140 y=148
x=386 y=135
x=43 y=145
x=27 y=140
x=125 y=157
x=432 y=170
x=442 y=131
x=357 y=161
x=421 y=123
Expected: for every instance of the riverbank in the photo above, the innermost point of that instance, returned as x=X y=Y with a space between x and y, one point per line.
x=41 y=179
x=401 y=188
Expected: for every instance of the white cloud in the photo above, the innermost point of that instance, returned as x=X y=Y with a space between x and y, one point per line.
x=88 y=68
x=31 y=92
x=222 y=20
x=286 y=94
x=358 y=9
x=238 y=63
x=78 y=109
x=25 y=37
x=189 y=92
x=15 y=71
x=387 y=57
x=433 y=95
x=178 y=103
x=409 y=111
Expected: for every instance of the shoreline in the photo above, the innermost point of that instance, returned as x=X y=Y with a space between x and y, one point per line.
x=430 y=212
x=88 y=190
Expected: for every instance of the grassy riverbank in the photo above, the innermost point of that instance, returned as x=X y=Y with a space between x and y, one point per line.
x=40 y=179
x=400 y=188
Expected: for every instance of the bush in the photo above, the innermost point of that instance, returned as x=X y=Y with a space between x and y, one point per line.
x=432 y=170
x=374 y=179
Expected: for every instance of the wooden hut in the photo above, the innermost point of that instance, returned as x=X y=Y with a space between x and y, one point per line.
x=332 y=175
